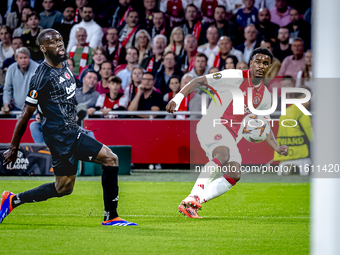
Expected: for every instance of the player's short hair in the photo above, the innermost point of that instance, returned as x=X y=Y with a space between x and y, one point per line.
x=264 y=51
x=41 y=36
x=33 y=14
x=149 y=74
x=106 y=62
x=201 y=55
x=115 y=79
x=23 y=50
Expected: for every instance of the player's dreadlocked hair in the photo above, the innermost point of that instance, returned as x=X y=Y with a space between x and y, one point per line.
x=263 y=51
x=41 y=36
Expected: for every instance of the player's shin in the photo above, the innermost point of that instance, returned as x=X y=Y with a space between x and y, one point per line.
x=110 y=191
x=208 y=173
x=38 y=194
x=217 y=188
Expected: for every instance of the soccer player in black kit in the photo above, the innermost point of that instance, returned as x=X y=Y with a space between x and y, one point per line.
x=52 y=91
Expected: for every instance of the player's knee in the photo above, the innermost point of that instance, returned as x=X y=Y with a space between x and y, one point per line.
x=111 y=159
x=237 y=176
x=222 y=154
x=64 y=191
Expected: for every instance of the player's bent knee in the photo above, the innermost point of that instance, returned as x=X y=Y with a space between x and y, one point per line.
x=111 y=159
x=64 y=191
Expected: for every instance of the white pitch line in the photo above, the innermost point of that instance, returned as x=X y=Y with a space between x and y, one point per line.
x=173 y=216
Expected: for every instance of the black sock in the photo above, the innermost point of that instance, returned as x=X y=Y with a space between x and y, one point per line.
x=37 y=194
x=110 y=191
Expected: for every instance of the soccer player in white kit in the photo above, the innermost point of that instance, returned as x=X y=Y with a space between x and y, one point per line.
x=217 y=131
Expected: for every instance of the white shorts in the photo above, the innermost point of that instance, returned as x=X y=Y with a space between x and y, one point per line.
x=213 y=137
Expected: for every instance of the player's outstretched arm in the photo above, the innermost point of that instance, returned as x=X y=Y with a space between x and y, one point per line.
x=186 y=90
x=282 y=150
x=11 y=154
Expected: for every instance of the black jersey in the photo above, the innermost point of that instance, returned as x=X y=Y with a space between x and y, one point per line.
x=52 y=90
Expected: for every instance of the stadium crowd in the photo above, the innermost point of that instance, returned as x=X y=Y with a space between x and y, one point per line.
x=136 y=55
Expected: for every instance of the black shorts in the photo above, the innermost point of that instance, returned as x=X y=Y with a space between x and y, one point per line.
x=65 y=158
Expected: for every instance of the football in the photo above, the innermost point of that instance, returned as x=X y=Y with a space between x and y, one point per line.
x=255 y=128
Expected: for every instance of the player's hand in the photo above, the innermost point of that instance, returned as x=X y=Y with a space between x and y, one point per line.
x=5 y=109
x=282 y=150
x=170 y=108
x=10 y=156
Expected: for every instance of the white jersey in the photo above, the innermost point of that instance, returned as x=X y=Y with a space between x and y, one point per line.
x=223 y=108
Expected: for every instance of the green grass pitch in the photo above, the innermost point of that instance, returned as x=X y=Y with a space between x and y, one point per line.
x=252 y=218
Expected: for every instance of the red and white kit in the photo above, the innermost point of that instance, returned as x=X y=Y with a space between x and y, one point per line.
x=211 y=137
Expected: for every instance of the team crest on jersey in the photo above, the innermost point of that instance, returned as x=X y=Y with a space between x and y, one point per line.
x=218 y=137
x=67 y=76
x=217 y=76
x=256 y=100
x=33 y=94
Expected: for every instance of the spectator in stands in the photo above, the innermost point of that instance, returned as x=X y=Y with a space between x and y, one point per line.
x=114 y=100
x=213 y=70
x=23 y=25
x=299 y=28
x=36 y=129
x=29 y=37
x=303 y=135
x=200 y=67
x=276 y=64
x=211 y=46
x=247 y=15
x=174 y=11
x=87 y=93
x=163 y=75
x=143 y=44
x=231 y=62
x=65 y=25
x=304 y=76
x=226 y=48
x=250 y=34
x=283 y=50
x=132 y=61
x=192 y=24
x=280 y=13
x=127 y=35
x=79 y=6
x=13 y=19
x=70 y=62
x=136 y=79
x=242 y=66
x=174 y=86
x=266 y=29
x=187 y=61
x=291 y=65
x=17 y=82
x=150 y=7
x=115 y=52
x=147 y=99
x=49 y=16
x=98 y=57
x=176 y=42
x=159 y=25
x=16 y=44
x=106 y=70
x=224 y=26
x=116 y=16
x=153 y=62
x=6 y=50
x=93 y=30
x=81 y=52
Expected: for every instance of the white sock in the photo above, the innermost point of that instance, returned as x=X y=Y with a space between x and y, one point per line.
x=208 y=173
x=216 y=189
